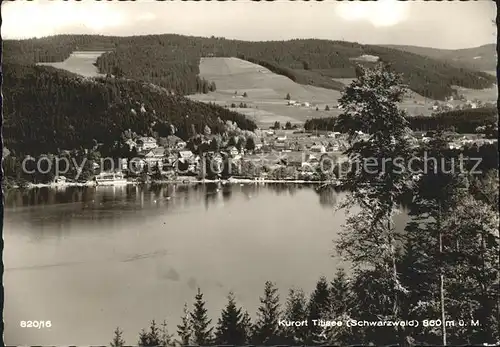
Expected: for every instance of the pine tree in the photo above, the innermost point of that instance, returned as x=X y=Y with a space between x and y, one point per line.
x=268 y=314
x=288 y=97
x=201 y=330
x=184 y=329
x=246 y=323
x=370 y=104
x=340 y=294
x=319 y=307
x=250 y=144
x=150 y=338
x=341 y=302
x=166 y=339
x=296 y=310
x=230 y=329
x=117 y=339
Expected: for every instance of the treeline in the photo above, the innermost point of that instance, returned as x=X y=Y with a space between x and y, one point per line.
x=460 y=121
x=171 y=61
x=46 y=110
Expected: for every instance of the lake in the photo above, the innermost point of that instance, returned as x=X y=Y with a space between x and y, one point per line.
x=91 y=259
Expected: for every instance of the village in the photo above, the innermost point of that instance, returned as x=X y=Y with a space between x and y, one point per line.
x=275 y=154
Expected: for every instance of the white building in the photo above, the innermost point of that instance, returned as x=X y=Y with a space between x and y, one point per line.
x=145 y=143
x=318 y=149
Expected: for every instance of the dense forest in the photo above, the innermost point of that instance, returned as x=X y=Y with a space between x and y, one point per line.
x=171 y=61
x=461 y=121
x=46 y=110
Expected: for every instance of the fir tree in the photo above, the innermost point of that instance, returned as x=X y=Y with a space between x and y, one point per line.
x=246 y=323
x=250 y=144
x=318 y=308
x=296 y=310
x=230 y=329
x=150 y=338
x=268 y=314
x=201 y=330
x=184 y=329
x=341 y=301
x=118 y=341
x=166 y=339
x=340 y=293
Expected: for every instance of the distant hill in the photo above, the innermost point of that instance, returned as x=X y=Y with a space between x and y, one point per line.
x=46 y=109
x=482 y=58
x=171 y=61
x=461 y=121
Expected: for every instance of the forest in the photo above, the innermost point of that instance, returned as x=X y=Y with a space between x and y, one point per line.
x=460 y=121
x=47 y=110
x=171 y=61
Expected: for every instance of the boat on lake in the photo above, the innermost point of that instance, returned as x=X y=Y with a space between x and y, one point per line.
x=110 y=179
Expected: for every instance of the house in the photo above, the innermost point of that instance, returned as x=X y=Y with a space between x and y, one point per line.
x=186 y=156
x=181 y=145
x=318 y=149
x=155 y=156
x=233 y=151
x=291 y=102
x=306 y=104
x=60 y=180
x=333 y=134
x=124 y=163
x=131 y=144
x=280 y=146
x=281 y=138
x=145 y=143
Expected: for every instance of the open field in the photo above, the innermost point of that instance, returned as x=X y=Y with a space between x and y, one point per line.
x=266 y=93
x=484 y=95
x=80 y=62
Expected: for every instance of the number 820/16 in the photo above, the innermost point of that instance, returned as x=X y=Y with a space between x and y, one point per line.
x=37 y=324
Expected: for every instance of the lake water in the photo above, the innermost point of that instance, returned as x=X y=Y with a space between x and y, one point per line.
x=91 y=259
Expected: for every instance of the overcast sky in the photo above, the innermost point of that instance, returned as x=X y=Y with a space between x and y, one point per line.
x=433 y=24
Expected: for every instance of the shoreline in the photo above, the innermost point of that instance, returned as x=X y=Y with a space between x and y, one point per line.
x=176 y=181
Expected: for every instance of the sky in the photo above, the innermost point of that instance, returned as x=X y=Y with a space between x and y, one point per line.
x=432 y=24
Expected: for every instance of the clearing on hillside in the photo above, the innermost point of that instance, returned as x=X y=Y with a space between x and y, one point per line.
x=80 y=62
x=266 y=92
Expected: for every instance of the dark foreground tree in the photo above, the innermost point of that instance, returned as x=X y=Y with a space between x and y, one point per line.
x=296 y=311
x=202 y=332
x=319 y=308
x=230 y=327
x=184 y=329
x=266 y=329
x=150 y=338
x=118 y=341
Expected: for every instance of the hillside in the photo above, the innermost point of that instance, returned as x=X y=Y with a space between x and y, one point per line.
x=265 y=93
x=171 y=61
x=46 y=109
x=482 y=58
x=461 y=121
x=81 y=63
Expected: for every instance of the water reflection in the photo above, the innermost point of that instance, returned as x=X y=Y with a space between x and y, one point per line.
x=137 y=253
x=54 y=208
